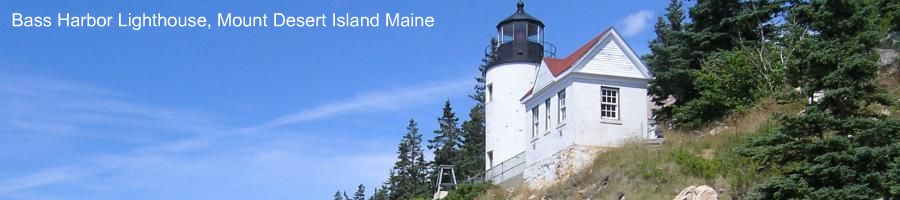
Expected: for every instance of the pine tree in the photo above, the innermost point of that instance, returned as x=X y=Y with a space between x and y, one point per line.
x=409 y=177
x=346 y=197
x=360 y=193
x=839 y=147
x=472 y=160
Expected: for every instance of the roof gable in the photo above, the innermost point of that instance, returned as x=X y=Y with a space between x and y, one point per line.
x=606 y=54
x=558 y=66
x=612 y=57
x=590 y=51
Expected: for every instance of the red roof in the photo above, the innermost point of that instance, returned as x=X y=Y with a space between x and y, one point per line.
x=558 y=66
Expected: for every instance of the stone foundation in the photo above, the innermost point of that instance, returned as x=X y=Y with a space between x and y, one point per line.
x=560 y=166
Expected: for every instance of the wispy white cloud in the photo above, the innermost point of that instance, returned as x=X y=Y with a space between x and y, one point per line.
x=395 y=98
x=636 y=22
x=40 y=178
x=206 y=146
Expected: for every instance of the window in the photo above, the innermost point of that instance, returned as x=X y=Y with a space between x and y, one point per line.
x=609 y=103
x=490 y=157
x=490 y=93
x=547 y=114
x=535 y=122
x=561 y=116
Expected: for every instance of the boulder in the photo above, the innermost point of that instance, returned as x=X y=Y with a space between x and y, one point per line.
x=702 y=192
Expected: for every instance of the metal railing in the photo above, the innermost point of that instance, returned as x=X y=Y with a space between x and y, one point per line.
x=549 y=49
x=501 y=172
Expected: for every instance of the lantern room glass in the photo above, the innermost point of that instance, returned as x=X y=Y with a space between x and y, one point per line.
x=520 y=31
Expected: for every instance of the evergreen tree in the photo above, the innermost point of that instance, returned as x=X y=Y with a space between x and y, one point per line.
x=679 y=50
x=380 y=194
x=409 y=177
x=472 y=160
x=838 y=148
x=337 y=195
x=447 y=140
x=360 y=193
x=668 y=62
x=346 y=197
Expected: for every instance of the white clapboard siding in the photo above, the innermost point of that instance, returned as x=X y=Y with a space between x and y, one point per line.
x=544 y=77
x=610 y=59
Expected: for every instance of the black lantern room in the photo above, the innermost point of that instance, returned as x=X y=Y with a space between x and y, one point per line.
x=520 y=38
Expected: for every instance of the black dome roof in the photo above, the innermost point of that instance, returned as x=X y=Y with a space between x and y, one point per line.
x=520 y=15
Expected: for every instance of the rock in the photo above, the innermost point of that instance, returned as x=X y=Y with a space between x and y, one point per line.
x=702 y=192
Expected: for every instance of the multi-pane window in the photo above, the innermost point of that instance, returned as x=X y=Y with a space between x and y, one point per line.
x=561 y=116
x=535 y=122
x=609 y=103
x=547 y=114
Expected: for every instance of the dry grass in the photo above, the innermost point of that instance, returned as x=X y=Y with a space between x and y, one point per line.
x=641 y=171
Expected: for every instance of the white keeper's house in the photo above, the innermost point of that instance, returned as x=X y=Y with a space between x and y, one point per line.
x=547 y=117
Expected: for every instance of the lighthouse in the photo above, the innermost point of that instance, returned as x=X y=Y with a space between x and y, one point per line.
x=548 y=117
x=510 y=76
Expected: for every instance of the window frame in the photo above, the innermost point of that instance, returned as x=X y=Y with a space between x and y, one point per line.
x=535 y=121
x=547 y=114
x=609 y=98
x=561 y=105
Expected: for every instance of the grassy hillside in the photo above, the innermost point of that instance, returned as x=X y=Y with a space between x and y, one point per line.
x=641 y=171
x=705 y=157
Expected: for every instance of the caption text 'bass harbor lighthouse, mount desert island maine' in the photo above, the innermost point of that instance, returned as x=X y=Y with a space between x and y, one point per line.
x=547 y=117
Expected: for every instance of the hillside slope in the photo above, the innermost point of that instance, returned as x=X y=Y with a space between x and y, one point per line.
x=640 y=171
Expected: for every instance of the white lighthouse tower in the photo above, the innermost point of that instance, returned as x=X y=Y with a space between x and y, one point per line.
x=518 y=53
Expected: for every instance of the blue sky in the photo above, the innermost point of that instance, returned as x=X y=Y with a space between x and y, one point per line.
x=246 y=113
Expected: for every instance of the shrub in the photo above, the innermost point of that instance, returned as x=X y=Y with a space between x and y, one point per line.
x=730 y=81
x=695 y=165
x=469 y=191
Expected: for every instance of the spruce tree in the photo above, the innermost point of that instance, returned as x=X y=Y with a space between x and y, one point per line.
x=409 y=177
x=447 y=140
x=668 y=62
x=380 y=194
x=678 y=51
x=360 y=193
x=472 y=160
x=839 y=147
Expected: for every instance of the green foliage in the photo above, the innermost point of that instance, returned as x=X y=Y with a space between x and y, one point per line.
x=695 y=165
x=682 y=52
x=409 y=177
x=731 y=81
x=472 y=160
x=447 y=138
x=469 y=191
x=380 y=194
x=838 y=148
x=360 y=193
x=669 y=62
x=650 y=172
